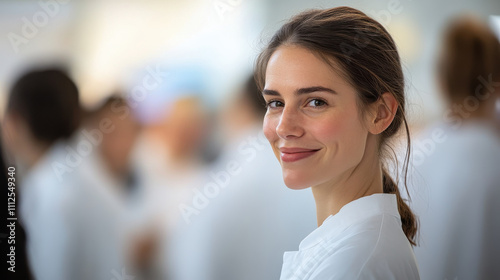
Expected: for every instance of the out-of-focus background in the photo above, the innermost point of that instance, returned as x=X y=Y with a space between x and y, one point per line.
x=184 y=183
x=106 y=42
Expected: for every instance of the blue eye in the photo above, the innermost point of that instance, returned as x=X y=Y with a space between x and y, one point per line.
x=316 y=103
x=274 y=104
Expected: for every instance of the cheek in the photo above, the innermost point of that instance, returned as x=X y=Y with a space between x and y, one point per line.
x=329 y=129
x=353 y=140
x=269 y=128
x=342 y=134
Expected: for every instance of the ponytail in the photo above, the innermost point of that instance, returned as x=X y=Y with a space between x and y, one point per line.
x=408 y=219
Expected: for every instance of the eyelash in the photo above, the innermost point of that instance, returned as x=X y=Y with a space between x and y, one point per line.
x=318 y=99
x=268 y=104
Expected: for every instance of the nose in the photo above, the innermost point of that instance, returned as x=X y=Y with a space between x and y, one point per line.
x=289 y=126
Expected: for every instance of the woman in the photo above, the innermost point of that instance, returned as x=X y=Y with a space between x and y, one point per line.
x=334 y=89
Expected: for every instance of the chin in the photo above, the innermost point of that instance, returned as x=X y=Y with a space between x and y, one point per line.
x=295 y=181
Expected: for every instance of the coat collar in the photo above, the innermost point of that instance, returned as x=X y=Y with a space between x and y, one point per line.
x=350 y=214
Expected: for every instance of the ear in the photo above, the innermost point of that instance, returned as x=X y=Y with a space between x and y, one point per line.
x=383 y=113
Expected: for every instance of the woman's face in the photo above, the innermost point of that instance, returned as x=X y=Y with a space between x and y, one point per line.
x=312 y=121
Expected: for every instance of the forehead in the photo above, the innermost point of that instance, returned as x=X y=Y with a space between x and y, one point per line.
x=297 y=67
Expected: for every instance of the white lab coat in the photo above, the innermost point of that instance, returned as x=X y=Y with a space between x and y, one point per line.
x=47 y=206
x=75 y=223
x=167 y=184
x=364 y=240
x=455 y=192
x=104 y=221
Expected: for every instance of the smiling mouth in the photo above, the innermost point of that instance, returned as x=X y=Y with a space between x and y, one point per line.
x=296 y=154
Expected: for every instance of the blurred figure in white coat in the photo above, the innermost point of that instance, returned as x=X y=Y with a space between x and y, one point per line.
x=110 y=185
x=42 y=114
x=248 y=217
x=169 y=159
x=456 y=163
x=70 y=202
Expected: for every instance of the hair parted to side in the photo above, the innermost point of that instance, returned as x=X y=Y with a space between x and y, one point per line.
x=368 y=58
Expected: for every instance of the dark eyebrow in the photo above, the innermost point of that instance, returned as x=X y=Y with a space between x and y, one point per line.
x=300 y=91
x=270 y=92
x=314 y=89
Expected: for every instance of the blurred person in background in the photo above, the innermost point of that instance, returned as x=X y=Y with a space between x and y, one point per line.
x=456 y=162
x=42 y=114
x=236 y=235
x=116 y=145
x=71 y=205
x=169 y=158
x=111 y=186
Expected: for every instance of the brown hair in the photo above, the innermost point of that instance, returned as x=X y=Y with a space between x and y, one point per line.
x=368 y=58
x=470 y=50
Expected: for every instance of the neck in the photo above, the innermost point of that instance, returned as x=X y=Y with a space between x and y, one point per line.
x=362 y=180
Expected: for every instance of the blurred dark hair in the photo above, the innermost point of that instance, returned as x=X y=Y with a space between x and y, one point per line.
x=470 y=50
x=253 y=95
x=48 y=101
x=368 y=58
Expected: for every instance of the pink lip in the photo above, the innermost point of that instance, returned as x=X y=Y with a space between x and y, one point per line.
x=295 y=154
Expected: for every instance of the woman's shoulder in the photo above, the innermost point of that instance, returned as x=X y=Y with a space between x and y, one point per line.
x=373 y=249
